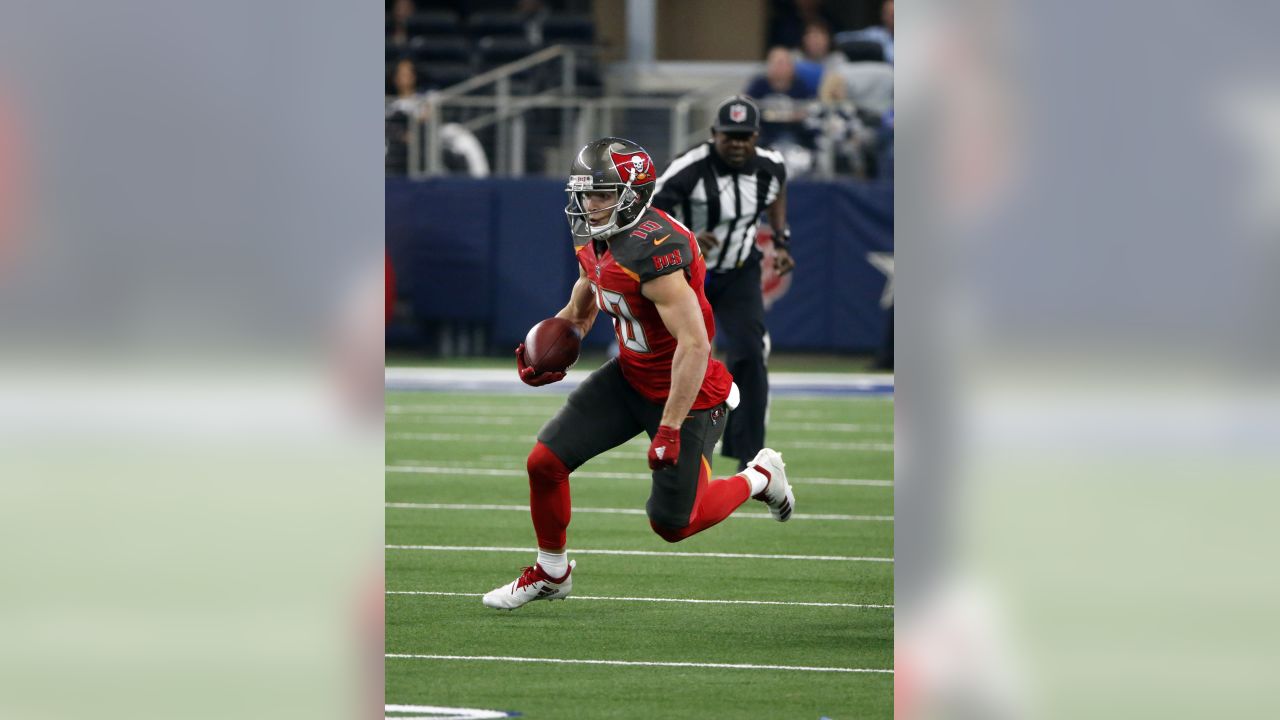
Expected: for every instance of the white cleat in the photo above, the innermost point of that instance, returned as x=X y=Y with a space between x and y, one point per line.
x=777 y=494
x=533 y=584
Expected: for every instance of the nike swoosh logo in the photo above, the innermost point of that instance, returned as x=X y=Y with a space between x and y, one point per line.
x=659 y=240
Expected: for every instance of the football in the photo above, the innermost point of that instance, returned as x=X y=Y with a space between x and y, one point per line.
x=552 y=345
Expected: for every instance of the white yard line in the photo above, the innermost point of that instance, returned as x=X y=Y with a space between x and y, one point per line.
x=627 y=511
x=436 y=712
x=510 y=472
x=640 y=663
x=860 y=606
x=645 y=553
x=505 y=381
x=531 y=437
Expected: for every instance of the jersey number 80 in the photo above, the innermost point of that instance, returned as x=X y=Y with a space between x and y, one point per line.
x=625 y=325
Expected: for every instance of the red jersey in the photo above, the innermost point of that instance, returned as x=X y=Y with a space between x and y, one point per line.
x=655 y=246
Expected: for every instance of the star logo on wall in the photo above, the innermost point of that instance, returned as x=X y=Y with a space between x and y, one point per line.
x=883 y=261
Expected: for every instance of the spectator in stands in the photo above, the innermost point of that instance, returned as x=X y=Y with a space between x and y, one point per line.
x=783 y=101
x=843 y=139
x=401 y=110
x=869 y=85
x=816 y=55
x=880 y=34
x=404 y=81
x=401 y=11
x=409 y=112
x=779 y=78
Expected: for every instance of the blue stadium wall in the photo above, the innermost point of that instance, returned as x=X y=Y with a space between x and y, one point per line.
x=497 y=252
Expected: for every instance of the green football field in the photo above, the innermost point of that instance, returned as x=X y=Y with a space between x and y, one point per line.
x=801 y=627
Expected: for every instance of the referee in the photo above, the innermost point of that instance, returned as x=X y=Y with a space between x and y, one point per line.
x=719 y=190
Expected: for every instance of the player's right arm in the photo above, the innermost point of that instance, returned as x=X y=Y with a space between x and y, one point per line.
x=581 y=310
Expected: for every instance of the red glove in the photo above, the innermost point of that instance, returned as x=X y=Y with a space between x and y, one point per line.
x=665 y=449
x=529 y=376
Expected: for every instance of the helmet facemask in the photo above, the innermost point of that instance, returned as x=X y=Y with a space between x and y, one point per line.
x=623 y=214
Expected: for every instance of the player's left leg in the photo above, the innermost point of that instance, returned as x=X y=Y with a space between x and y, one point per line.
x=684 y=500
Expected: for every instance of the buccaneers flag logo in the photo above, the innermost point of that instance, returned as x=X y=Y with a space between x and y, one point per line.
x=634 y=168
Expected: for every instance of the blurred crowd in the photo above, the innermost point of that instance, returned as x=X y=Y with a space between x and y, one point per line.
x=825 y=89
x=826 y=94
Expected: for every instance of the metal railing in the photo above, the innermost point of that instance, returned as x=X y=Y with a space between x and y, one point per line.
x=509 y=135
x=504 y=119
x=506 y=113
x=581 y=119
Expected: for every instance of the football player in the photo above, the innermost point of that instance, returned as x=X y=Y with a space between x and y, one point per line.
x=644 y=269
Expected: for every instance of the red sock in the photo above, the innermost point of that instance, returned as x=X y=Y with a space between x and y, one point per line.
x=548 y=496
x=715 y=501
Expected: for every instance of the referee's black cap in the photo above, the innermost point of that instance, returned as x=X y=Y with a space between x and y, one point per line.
x=737 y=114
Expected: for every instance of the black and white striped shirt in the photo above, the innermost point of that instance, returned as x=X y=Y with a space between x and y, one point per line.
x=705 y=194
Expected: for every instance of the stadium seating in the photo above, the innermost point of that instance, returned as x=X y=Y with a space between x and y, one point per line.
x=500 y=50
x=435 y=75
x=434 y=22
x=481 y=24
x=441 y=48
x=568 y=29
